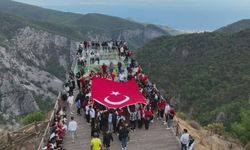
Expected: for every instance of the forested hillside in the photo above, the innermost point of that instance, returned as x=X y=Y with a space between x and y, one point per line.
x=236 y=27
x=207 y=76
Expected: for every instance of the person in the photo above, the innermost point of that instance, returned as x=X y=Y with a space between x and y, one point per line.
x=107 y=137
x=96 y=143
x=72 y=127
x=140 y=116
x=104 y=68
x=122 y=51
x=122 y=76
x=111 y=67
x=114 y=121
x=92 y=115
x=166 y=111
x=123 y=136
x=184 y=140
x=161 y=106
x=132 y=117
x=148 y=116
x=92 y=57
x=97 y=57
x=87 y=113
x=191 y=143
x=70 y=101
x=110 y=123
x=94 y=130
x=78 y=106
x=78 y=76
x=171 y=115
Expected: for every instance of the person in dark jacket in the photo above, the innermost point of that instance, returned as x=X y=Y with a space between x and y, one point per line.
x=123 y=136
x=107 y=137
x=95 y=129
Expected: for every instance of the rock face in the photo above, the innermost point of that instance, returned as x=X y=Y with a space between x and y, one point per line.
x=33 y=65
x=135 y=37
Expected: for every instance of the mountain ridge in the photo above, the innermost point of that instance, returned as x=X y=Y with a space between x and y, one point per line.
x=235 y=27
x=92 y=25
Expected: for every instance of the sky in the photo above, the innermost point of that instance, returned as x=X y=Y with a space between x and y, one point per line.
x=194 y=15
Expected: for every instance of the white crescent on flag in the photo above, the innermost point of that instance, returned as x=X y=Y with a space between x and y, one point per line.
x=116 y=103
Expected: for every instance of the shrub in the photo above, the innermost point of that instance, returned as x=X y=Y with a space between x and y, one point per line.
x=216 y=128
x=33 y=117
x=194 y=124
x=242 y=128
x=181 y=115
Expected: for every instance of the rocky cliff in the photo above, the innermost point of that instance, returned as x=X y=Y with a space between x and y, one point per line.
x=33 y=65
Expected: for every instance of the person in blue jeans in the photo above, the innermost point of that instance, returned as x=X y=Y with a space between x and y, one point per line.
x=123 y=136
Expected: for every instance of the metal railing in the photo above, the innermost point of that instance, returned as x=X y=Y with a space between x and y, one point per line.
x=47 y=130
x=177 y=128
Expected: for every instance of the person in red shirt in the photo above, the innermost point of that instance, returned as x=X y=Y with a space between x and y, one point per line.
x=104 y=68
x=91 y=74
x=82 y=81
x=148 y=115
x=171 y=115
x=140 y=116
x=161 y=106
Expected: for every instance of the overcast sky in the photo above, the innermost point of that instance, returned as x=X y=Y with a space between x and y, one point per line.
x=180 y=14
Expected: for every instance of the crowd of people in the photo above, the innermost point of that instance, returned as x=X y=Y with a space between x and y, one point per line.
x=105 y=121
x=58 y=128
x=92 y=50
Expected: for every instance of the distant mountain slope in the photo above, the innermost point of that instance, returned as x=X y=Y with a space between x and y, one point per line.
x=79 y=26
x=236 y=27
x=206 y=75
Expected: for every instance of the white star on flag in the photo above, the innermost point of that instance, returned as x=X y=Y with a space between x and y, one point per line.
x=115 y=93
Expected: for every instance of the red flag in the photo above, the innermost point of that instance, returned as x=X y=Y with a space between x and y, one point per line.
x=116 y=94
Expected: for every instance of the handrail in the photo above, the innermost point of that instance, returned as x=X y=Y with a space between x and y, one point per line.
x=177 y=128
x=48 y=125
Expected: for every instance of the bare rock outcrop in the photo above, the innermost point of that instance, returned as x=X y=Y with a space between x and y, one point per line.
x=33 y=65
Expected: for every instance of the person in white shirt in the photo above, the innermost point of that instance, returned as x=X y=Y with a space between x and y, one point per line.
x=87 y=115
x=72 y=127
x=70 y=101
x=166 y=111
x=122 y=77
x=97 y=57
x=122 y=51
x=92 y=115
x=184 y=140
x=110 y=122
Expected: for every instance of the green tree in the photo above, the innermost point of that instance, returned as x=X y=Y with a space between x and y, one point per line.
x=33 y=117
x=242 y=128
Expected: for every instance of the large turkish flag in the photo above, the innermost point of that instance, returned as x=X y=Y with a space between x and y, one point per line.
x=116 y=94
